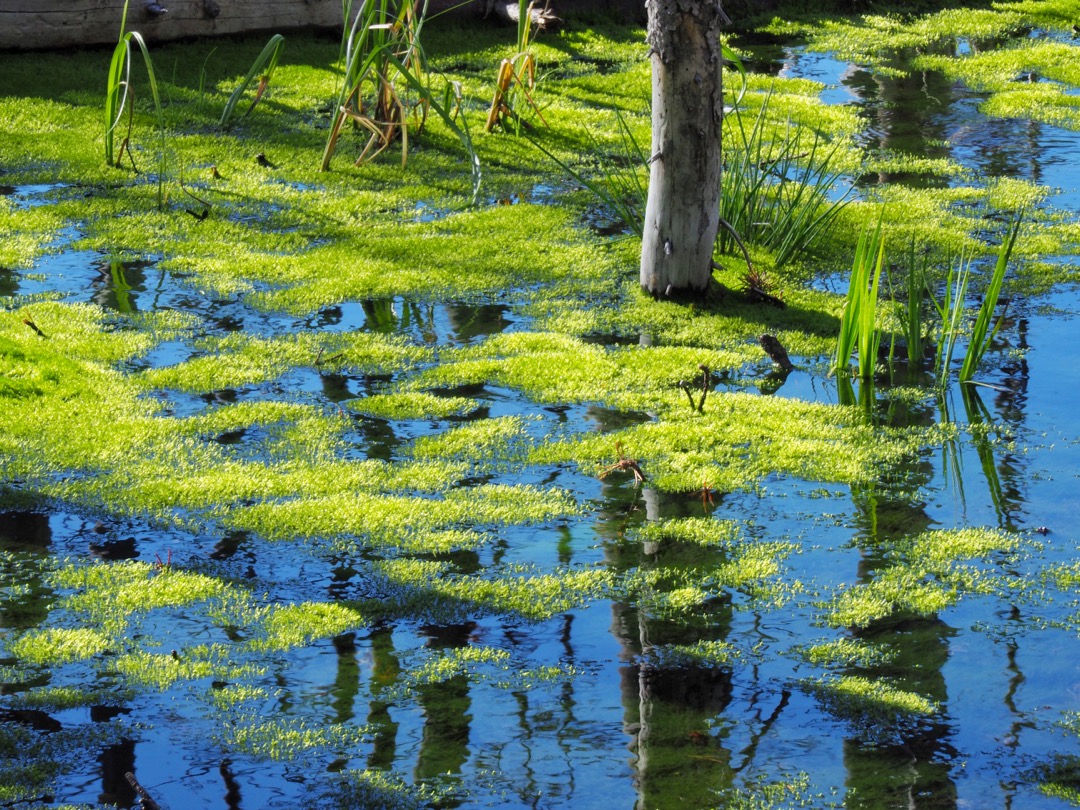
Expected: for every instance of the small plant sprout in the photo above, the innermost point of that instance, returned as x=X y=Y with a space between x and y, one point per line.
x=386 y=88
x=624 y=464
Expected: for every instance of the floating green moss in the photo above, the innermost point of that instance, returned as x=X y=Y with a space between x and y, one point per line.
x=870 y=702
x=700 y=531
x=431 y=590
x=412 y=406
x=239 y=359
x=375 y=789
x=925 y=578
x=287 y=626
x=739 y=441
x=712 y=654
x=287 y=739
x=59 y=645
x=843 y=653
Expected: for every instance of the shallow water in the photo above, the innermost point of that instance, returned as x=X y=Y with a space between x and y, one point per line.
x=623 y=732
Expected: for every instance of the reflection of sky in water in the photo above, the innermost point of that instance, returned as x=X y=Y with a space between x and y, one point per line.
x=819 y=67
x=1043 y=154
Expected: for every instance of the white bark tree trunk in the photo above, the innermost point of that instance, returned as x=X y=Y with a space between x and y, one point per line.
x=683 y=207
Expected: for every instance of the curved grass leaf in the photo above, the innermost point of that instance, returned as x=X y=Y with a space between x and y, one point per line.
x=268 y=59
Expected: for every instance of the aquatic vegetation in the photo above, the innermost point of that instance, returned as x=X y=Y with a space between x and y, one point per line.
x=429 y=589
x=843 y=653
x=375 y=789
x=869 y=703
x=926 y=578
x=1029 y=80
x=791 y=792
x=740 y=441
x=858 y=320
x=58 y=645
x=706 y=532
x=263 y=67
x=780 y=186
x=117 y=96
x=417 y=405
x=286 y=739
x=239 y=359
x=369 y=460
x=703 y=654
x=285 y=626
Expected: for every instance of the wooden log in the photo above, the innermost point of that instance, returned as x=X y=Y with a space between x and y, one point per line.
x=40 y=24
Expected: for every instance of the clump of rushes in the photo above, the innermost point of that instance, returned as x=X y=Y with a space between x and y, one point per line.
x=982 y=334
x=516 y=79
x=777 y=187
x=858 y=321
x=386 y=88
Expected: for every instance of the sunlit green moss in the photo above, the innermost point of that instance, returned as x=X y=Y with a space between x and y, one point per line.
x=162 y=670
x=740 y=440
x=846 y=652
x=287 y=739
x=400 y=521
x=68 y=697
x=417 y=405
x=240 y=359
x=764 y=794
x=286 y=626
x=876 y=35
x=375 y=789
x=1060 y=778
x=58 y=645
x=925 y=578
x=430 y=589
x=870 y=701
x=701 y=531
x=486 y=664
x=1030 y=80
x=487 y=441
x=702 y=654
x=232 y=696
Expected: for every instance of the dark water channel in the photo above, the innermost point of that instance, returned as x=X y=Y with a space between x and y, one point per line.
x=625 y=733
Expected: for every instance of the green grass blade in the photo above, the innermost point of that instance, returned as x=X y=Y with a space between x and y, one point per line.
x=982 y=334
x=268 y=58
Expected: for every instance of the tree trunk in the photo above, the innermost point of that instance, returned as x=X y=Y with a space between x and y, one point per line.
x=683 y=208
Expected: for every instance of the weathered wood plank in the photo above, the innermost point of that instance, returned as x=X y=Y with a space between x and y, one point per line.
x=33 y=24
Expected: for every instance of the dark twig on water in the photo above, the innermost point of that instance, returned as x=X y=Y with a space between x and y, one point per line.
x=145 y=798
x=706 y=384
x=776 y=351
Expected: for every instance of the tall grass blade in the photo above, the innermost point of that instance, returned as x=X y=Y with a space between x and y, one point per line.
x=267 y=59
x=619 y=186
x=116 y=97
x=858 y=319
x=982 y=334
x=950 y=312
